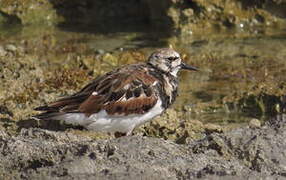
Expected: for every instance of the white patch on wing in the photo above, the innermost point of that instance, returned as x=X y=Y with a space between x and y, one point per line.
x=127 y=86
x=94 y=93
x=154 y=83
x=123 y=98
x=103 y=122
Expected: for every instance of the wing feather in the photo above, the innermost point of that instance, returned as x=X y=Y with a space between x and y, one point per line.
x=122 y=92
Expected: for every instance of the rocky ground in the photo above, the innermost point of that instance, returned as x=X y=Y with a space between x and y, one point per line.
x=243 y=153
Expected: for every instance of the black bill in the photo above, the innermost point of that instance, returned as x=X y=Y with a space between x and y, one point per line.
x=188 y=67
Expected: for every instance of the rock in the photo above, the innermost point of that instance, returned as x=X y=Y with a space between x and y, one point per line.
x=197 y=15
x=2 y=51
x=11 y=47
x=211 y=128
x=254 y=123
x=248 y=153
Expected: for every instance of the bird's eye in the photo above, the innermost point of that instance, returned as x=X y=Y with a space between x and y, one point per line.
x=172 y=58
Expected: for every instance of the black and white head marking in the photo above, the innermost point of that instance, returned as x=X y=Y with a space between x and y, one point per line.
x=166 y=60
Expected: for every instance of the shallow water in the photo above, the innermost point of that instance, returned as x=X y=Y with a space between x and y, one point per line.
x=234 y=66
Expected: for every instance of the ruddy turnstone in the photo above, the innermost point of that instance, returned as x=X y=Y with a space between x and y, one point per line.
x=123 y=99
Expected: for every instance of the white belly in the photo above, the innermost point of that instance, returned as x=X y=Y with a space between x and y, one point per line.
x=103 y=122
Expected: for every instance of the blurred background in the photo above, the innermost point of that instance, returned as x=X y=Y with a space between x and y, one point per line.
x=52 y=48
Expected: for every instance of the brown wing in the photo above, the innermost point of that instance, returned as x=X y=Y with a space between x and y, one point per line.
x=121 y=92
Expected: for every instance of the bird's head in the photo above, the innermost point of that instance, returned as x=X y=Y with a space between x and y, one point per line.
x=168 y=61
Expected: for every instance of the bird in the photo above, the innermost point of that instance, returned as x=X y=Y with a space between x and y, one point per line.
x=123 y=99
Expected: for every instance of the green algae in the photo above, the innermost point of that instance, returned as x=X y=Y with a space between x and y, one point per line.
x=30 y=11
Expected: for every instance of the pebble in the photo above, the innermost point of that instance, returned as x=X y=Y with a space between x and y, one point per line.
x=11 y=47
x=2 y=51
x=254 y=123
x=211 y=128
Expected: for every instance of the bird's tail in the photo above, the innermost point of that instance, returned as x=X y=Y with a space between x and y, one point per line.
x=51 y=113
x=47 y=116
